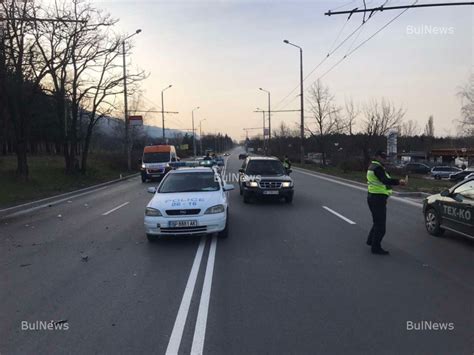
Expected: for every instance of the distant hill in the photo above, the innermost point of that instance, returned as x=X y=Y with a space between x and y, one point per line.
x=112 y=126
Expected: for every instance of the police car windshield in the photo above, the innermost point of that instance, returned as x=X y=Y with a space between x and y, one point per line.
x=162 y=157
x=265 y=167
x=189 y=182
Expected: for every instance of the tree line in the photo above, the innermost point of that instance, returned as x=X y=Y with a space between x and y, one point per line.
x=357 y=130
x=60 y=73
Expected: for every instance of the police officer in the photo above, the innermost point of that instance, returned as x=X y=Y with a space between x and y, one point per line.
x=286 y=163
x=380 y=188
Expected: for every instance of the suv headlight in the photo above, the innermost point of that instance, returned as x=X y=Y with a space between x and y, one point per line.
x=215 y=209
x=252 y=184
x=152 y=212
x=287 y=184
x=143 y=166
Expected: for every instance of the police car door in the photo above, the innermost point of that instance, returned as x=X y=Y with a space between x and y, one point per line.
x=461 y=209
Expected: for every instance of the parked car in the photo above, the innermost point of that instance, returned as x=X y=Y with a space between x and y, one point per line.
x=243 y=156
x=451 y=210
x=440 y=172
x=417 y=168
x=460 y=175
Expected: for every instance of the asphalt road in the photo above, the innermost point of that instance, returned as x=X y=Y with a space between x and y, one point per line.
x=290 y=279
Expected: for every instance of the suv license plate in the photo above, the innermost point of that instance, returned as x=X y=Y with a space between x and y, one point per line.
x=272 y=192
x=178 y=224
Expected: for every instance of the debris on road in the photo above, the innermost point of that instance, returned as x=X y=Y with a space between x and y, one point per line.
x=84 y=258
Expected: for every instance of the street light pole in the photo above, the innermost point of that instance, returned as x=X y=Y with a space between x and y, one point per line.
x=269 y=119
x=194 y=135
x=163 y=112
x=263 y=125
x=125 y=103
x=200 y=136
x=301 y=101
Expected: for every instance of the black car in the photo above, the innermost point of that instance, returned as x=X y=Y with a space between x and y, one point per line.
x=451 y=210
x=460 y=175
x=265 y=177
x=417 y=168
x=243 y=156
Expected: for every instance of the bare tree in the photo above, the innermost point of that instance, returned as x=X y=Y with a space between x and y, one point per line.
x=409 y=128
x=467 y=109
x=19 y=80
x=380 y=117
x=326 y=114
x=84 y=73
x=352 y=112
x=429 y=128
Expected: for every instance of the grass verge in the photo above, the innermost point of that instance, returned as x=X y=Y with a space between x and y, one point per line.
x=48 y=178
x=416 y=183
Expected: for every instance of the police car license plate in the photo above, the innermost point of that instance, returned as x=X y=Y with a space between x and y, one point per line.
x=271 y=192
x=178 y=224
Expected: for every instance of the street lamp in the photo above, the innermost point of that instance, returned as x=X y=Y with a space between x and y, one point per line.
x=125 y=103
x=163 y=112
x=269 y=118
x=263 y=122
x=200 y=136
x=301 y=100
x=194 y=135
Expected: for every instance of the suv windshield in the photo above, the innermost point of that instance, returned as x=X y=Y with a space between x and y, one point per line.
x=265 y=167
x=162 y=157
x=189 y=182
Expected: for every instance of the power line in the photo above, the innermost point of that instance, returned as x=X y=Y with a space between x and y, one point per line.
x=400 y=7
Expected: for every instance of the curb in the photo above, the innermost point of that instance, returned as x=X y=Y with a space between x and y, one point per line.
x=50 y=201
x=356 y=183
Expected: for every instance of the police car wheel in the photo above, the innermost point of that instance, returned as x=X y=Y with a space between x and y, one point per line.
x=432 y=222
x=225 y=233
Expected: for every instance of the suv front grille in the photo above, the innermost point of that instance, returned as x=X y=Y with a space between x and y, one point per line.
x=270 y=184
x=184 y=212
x=184 y=230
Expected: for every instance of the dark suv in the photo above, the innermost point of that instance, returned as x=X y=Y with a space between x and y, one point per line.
x=265 y=176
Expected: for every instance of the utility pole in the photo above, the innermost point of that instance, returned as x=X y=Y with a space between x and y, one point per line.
x=200 y=136
x=301 y=101
x=163 y=113
x=128 y=147
x=194 y=133
x=400 y=7
x=263 y=126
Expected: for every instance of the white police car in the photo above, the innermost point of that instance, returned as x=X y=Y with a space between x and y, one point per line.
x=189 y=200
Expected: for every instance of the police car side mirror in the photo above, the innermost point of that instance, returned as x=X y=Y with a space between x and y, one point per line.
x=445 y=193
x=151 y=190
x=229 y=187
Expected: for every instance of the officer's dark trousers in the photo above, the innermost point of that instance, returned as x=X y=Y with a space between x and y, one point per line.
x=378 y=207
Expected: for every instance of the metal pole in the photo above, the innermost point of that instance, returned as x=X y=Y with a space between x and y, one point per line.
x=263 y=122
x=269 y=121
x=194 y=136
x=302 y=107
x=163 y=117
x=125 y=102
x=200 y=138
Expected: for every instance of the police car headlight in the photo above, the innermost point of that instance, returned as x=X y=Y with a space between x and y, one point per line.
x=153 y=212
x=215 y=209
x=287 y=184
x=252 y=184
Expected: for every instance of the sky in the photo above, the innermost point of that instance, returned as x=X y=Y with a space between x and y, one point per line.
x=217 y=54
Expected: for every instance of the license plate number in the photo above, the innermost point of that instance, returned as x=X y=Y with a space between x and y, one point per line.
x=271 y=192
x=178 y=224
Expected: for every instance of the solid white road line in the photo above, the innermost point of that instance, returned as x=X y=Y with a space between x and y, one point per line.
x=201 y=322
x=115 y=209
x=339 y=215
x=178 y=328
x=408 y=202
